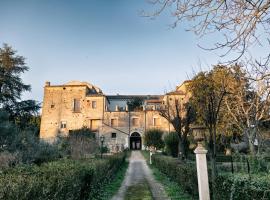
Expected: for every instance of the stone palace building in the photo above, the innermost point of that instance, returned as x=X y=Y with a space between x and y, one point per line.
x=79 y=104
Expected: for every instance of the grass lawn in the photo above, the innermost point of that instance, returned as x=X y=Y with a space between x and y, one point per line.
x=172 y=189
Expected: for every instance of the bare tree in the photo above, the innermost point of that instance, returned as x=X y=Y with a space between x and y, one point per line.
x=180 y=115
x=241 y=23
x=249 y=101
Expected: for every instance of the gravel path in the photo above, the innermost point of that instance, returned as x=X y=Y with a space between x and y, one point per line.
x=139 y=172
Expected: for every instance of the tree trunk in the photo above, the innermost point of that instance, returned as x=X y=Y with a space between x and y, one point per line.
x=181 y=149
x=249 y=134
x=213 y=176
x=212 y=159
x=185 y=147
x=251 y=146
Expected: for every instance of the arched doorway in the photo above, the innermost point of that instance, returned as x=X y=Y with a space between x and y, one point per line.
x=135 y=141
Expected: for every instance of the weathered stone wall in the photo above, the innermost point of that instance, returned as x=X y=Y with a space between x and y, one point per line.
x=59 y=116
x=125 y=127
x=58 y=106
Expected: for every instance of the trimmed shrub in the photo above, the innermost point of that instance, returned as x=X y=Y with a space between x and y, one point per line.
x=153 y=137
x=184 y=174
x=63 y=179
x=235 y=187
x=241 y=187
x=171 y=144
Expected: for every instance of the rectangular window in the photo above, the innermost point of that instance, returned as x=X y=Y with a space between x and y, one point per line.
x=135 y=121
x=157 y=121
x=114 y=135
x=114 y=122
x=94 y=104
x=63 y=124
x=76 y=105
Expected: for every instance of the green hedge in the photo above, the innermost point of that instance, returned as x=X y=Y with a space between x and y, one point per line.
x=228 y=186
x=184 y=174
x=242 y=187
x=63 y=179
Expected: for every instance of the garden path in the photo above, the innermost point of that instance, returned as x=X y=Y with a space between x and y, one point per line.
x=139 y=173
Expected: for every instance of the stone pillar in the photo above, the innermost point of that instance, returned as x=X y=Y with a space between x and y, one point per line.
x=202 y=172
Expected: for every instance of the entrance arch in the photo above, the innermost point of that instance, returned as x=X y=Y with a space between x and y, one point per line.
x=135 y=141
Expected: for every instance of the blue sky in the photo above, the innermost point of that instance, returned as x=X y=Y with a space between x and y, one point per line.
x=104 y=42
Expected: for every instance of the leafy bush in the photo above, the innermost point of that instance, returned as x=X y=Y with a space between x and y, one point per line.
x=243 y=163
x=46 y=152
x=104 y=149
x=62 y=179
x=184 y=174
x=241 y=187
x=227 y=186
x=7 y=159
x=153 y=137
x=31 y=150
x=81 y=142
x=8 y=131
x=171 y=144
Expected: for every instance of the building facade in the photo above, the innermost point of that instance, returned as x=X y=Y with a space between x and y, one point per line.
x=79 y=104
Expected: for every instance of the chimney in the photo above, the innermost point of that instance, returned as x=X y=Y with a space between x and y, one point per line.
x=47 y=83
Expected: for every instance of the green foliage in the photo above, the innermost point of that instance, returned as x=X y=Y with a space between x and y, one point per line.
x=63 y=179
x=81 y=142
x=8 y=131
x=173 y=190
x=171 y=144
x=31 y=150
x=24 y=143
x=46 y=152
x=19 y=120
x=114 y=184
x=83 y=132
x=238 y=186
x=241 y=187
x=104 y=149
x=153 y=137
x=11 y=67
x=24 y=114
x=182 y=173
x=11 y=88
x=135 y=104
